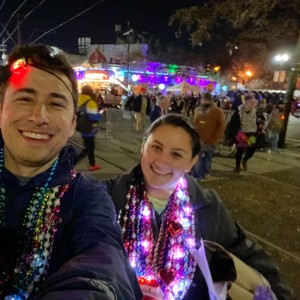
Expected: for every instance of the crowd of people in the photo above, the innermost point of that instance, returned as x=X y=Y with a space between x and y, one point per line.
x=66 y=235
x=256 y=122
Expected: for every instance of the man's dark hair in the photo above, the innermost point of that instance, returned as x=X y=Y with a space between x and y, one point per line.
x=44 y=57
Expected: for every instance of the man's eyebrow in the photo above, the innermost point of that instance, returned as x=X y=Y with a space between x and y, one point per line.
x=59 y=95
x=26 y=90
x=32 y=91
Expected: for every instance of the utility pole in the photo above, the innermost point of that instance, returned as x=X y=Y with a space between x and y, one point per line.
x=19 y=29
x=295 y=71
x=3 y=50
x=127 y=33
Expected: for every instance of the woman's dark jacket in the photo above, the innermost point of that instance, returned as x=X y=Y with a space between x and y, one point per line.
x=214 y=223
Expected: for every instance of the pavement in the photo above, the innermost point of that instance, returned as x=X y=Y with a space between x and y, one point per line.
x=119 y=153
x=118 y=149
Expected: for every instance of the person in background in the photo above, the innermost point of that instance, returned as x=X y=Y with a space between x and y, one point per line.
x=141 y=107
x=87 y=102
x=160 y=109
x=124 y=100
x=164 y=213
x=242 y=129
x=237 y=100
x=261 y=136
x=59 y=238
x=209 y=120
x=274 y=127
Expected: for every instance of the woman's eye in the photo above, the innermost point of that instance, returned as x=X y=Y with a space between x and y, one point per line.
x=155 y=147
x=177 y=155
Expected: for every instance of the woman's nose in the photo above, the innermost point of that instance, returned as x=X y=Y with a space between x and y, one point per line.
x=162 y=158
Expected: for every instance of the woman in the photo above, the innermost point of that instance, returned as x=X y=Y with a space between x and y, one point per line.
x=242 y=129
x=163 y=213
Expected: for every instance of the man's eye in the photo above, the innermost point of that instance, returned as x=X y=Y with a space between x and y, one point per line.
x=57 y=104
x=23 y=99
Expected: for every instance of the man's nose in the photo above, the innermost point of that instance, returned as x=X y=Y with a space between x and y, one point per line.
x=39 y=114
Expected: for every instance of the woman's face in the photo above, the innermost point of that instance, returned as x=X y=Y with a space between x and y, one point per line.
x=166 y=156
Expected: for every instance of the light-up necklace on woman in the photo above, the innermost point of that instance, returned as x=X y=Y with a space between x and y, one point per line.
x=40 y=225
x=167 y=262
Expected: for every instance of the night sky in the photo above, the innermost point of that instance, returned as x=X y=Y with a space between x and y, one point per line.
x=98 y=23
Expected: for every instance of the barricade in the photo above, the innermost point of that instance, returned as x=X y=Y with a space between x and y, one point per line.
x=119 y=122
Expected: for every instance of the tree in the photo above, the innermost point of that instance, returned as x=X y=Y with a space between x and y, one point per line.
x=255 y=27
x=249 y=30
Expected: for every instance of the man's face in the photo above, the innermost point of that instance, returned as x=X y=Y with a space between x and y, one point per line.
x=36 y=119
x=205 y=103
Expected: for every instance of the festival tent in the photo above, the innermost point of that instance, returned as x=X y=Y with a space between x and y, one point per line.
x=184 y=87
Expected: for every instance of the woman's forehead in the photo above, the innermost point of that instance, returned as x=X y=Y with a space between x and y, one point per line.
x=168 y=133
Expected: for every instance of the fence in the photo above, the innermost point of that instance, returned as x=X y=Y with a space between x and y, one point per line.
x=120 y=123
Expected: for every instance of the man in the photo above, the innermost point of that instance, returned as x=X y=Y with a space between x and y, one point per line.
x=141 y=107
x=58 y=234
x=161 y=108
x=210 y=123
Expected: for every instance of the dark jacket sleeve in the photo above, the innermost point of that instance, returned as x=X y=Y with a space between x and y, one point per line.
x=214 y=223
x=233 y=127
x=89 y=260
x=155 y=113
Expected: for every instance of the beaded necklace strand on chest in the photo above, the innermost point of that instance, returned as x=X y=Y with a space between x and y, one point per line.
x=40 y=225
x=167 y=261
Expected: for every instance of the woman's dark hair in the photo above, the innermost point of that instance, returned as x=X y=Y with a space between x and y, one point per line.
x=44 y=57
x=87 y=90
x=177 y=121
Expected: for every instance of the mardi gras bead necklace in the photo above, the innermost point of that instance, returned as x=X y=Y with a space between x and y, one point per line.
x=40 y=226
x=166 y=261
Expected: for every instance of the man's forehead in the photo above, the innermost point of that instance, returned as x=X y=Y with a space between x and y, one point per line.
x=31 y=75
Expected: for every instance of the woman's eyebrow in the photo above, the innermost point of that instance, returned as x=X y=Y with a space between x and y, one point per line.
x=173 y=149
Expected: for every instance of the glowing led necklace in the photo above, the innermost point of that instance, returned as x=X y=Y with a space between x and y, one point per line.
x=40 y=226
x=167 y=262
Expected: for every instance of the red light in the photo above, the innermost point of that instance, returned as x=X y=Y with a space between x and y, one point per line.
x=19 y=70
x=18 y=65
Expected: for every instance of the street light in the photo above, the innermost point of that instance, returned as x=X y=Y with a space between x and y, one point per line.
x=280 y=75
x=281 y=58
x=249 y=73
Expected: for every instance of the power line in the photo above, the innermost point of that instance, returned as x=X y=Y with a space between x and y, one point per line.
x=9 y=36
x=2 y=4
x=20 y=22
x=67 y=21
x=13 y=14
